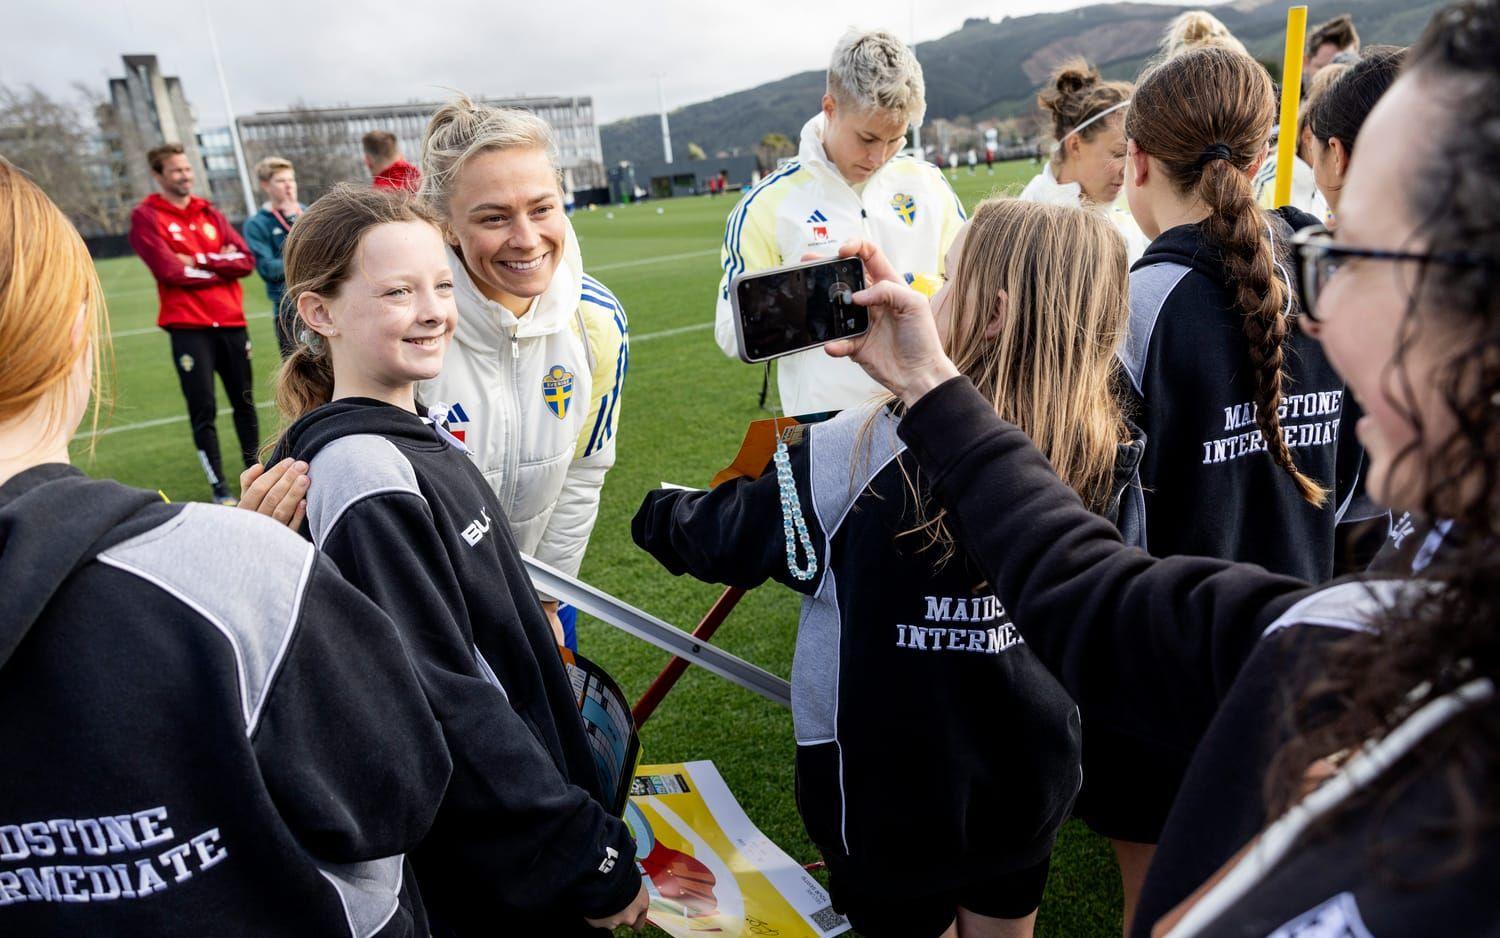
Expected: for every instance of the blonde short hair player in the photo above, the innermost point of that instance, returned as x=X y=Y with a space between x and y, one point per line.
x=847 y=181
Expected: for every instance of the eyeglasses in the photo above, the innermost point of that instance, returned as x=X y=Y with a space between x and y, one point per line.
x=1319 y=258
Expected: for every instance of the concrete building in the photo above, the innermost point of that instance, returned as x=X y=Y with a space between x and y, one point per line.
x=146 y=109
x=221 y=181
x=324 y=143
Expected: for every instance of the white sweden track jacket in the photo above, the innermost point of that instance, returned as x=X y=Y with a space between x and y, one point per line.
x=806 y=207
x=537 y=400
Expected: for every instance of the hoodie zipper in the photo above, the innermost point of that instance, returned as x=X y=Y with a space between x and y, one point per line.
x=512 y=453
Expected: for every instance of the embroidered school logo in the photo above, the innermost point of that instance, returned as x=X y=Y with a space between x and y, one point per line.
x=557 y=390
x=458 y=422
x=185 y=363
x=905 y=207
x=1337 y=918
x=210 y=232
x=1402 y=529
x=818 y=222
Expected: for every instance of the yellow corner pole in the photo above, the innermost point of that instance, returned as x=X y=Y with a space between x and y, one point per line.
x=1291 y=99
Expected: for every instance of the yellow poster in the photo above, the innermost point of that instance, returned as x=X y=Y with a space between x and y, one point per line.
x=709 y=870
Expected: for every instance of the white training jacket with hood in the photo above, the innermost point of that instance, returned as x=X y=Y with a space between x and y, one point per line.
x=537 y=401
x=1045 y=188
x=806 y=207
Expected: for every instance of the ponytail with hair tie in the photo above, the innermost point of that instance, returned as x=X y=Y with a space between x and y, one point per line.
x=1194 y=112
x=1214 y=151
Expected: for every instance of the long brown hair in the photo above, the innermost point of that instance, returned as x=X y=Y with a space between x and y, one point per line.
x=46 y=276
x=320 y=253
x=1206 y=116
x=1051 y=368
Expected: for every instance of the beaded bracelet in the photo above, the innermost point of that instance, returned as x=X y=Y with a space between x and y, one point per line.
x=792 y=522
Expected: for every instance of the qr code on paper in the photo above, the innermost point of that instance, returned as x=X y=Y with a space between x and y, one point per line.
x=827 y=920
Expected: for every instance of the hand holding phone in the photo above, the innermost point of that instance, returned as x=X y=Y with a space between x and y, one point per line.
x=792 y=309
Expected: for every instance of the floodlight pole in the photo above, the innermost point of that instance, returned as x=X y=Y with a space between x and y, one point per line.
x=234 y=127
x=666 y=133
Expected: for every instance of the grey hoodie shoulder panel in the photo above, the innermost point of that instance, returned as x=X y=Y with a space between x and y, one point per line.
x=242 y=573
x=350 y=469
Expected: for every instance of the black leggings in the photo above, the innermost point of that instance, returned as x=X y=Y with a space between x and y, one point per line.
x=198 y=354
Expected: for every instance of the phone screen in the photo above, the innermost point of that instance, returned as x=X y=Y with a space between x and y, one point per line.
x=789 y=310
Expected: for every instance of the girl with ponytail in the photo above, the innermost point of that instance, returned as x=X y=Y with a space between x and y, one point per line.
x=901 y=647
x=521 y=843
x=541 y=349
x=1242 y=411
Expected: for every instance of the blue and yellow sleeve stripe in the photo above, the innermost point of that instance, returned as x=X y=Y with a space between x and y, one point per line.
x=609 y=341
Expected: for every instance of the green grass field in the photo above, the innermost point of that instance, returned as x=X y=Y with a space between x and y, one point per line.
x=684 y=411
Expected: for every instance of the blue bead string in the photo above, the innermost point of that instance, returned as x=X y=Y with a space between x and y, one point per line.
x=792 y=522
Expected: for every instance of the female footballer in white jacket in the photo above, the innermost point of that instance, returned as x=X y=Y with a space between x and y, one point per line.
x=1088 y=166
x=532 y=383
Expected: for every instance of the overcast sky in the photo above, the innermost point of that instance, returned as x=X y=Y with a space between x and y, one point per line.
x=276 y=53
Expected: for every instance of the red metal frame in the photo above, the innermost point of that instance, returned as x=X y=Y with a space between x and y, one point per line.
x=669 y=675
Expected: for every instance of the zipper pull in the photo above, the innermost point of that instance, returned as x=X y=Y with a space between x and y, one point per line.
x=515 y=348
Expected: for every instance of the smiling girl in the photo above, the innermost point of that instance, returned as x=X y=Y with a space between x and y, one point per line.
x=521 y=838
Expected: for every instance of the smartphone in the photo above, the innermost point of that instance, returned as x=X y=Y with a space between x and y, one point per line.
x=792 y=309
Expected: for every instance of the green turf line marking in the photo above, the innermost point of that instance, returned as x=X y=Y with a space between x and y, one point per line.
x=266 y=314
x=159 y=422
x=621 y=265
x=182 y=418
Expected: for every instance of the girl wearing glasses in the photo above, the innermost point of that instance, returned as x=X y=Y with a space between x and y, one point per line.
x=1374 y=812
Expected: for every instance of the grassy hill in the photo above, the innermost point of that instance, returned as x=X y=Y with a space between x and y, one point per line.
x=992 y=69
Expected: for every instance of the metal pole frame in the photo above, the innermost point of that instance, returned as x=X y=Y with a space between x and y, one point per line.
x=653 y=631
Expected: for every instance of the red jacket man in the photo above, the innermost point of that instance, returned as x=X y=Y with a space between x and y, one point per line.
x=198 y=259
x=383 y=159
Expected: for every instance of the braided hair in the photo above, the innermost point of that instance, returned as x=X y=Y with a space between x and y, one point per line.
x=1206 y=115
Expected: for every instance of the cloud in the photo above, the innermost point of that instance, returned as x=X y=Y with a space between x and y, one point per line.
x=277 y=53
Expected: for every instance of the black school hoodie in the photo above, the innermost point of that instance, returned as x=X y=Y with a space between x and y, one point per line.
x=1211 y=488
x=205 y=730
x=933 y=748
x=521 y=844
x=1189 y=648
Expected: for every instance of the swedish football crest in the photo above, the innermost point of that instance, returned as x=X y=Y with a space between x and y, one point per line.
x=185 y=362
x=557 y=390
x=210 y=232
x=905 y=206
